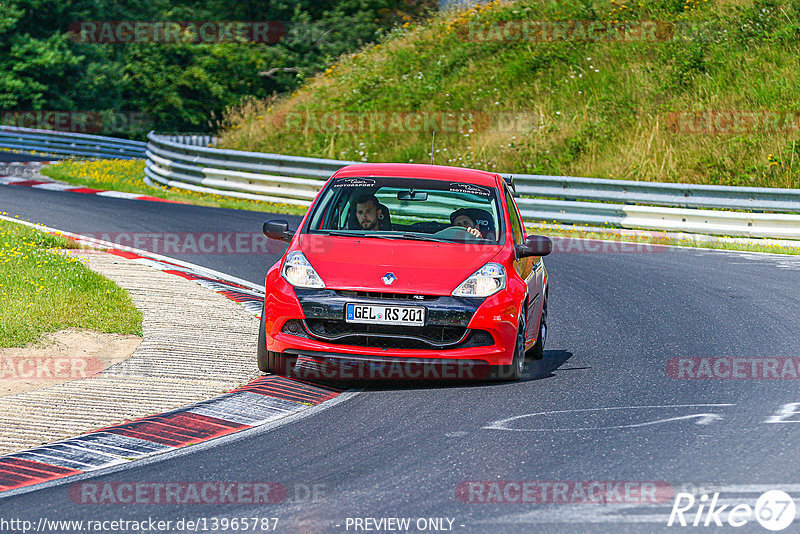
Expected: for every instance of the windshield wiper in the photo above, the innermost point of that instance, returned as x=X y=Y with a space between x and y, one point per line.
x=377 y=235
x=338 y=233
x=421 y=237
x=341 y=233
x=415 y=237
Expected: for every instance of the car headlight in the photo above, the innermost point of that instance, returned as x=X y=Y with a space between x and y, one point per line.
x=486 y=281
x=298 y=271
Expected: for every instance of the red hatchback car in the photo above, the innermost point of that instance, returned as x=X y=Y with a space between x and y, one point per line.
x=399 y=271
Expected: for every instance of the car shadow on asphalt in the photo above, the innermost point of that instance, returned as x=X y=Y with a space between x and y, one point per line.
x=534 y=370
x=539 y=369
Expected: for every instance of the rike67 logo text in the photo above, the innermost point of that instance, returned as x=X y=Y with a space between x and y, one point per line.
x=774 y=510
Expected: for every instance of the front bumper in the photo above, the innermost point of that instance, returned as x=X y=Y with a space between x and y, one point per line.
x=311 y=323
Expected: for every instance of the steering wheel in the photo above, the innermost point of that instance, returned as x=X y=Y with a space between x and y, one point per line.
x=455 y=232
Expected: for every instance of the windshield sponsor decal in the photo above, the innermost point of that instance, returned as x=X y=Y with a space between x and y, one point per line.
x=354 y=182
x=470 y=189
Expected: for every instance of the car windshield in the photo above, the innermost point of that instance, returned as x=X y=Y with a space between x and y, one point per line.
x=408 y=209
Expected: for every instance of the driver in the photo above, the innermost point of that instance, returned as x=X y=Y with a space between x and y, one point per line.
x=460 y=217
x=368 y=212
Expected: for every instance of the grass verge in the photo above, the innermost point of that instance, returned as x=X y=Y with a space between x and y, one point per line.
x=44 y=290
x=127 y=176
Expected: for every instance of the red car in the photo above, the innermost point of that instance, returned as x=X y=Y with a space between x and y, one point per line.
x=406 y=271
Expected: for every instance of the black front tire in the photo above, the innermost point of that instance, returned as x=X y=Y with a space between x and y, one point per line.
x=280 y=364
x=537 y=352
x=261 y=352
x=514 y=371
x=268 y=361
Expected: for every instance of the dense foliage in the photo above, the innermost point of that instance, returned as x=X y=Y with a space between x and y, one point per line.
x=177 y=86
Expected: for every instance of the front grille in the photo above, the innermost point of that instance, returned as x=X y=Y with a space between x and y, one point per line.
x=386 y=296
x=396 y=337
x=329 y=328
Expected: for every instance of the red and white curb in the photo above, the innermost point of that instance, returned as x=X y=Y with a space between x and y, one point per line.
x=51 y=185
x=262 y=401
x=30 y=163
x=248 y=295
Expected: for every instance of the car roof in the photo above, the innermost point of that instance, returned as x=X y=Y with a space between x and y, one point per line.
x=416 y=170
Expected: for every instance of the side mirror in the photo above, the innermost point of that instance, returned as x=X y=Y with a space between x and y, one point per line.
x=278 y=229
x=535 y=245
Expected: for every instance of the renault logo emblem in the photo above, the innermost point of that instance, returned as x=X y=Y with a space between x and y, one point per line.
x=388 y=278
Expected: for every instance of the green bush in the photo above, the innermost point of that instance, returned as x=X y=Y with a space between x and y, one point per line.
x=176 y=86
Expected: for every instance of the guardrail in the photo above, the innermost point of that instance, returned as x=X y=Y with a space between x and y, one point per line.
x=69 y=144
x=251 y=175
x=657 y=193
x=190 y=162
x=177 y=161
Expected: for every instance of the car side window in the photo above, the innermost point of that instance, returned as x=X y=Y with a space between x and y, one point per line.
x=516 y=223
x=332 y=217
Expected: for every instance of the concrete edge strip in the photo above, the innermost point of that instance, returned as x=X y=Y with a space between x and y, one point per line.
x=262 y=401
x=52 y=185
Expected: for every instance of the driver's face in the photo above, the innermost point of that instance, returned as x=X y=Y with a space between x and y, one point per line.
x=367 y=215
x=465 y=221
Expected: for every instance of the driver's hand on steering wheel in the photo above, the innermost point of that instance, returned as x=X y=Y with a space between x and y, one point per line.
x=474 y=231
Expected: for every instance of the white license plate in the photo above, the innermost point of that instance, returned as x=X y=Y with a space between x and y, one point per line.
x=372 y=314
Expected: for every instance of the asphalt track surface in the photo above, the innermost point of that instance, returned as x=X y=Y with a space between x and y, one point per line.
x=403 y=450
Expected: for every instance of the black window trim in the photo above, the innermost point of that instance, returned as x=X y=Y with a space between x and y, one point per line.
x=501 y=223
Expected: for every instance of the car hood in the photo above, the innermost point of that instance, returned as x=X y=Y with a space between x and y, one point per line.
x=420 y=267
